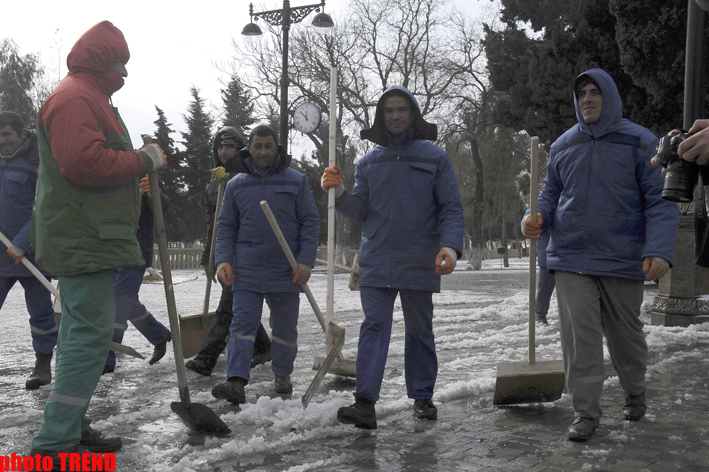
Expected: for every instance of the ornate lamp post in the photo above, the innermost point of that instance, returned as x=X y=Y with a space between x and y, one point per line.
x=285 y=17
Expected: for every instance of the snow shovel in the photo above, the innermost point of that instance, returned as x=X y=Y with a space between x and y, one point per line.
x=532 y=381
x=196 y=416
x=43 y=280
x=340 y=366
x=195 y=327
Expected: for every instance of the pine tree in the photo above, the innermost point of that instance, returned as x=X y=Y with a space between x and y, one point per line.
x=238 y=106
x=194 y=164
x=20 y=78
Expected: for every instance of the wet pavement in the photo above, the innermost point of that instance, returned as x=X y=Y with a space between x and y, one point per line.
x=469 y=435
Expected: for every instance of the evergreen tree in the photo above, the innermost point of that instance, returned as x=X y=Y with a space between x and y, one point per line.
x=22 y=87
x=172 y=178
x=194 y=164
x=238 y=106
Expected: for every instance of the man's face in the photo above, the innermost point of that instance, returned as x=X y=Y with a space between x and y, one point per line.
x=118 y=68
x=263 y=150
x=226 y=152
x=10 y=141
x=590 y=103
x=397 y=116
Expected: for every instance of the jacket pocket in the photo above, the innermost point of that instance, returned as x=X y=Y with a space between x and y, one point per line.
x=115 y=231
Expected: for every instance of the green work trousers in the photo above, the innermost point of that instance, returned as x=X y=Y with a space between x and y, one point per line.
x=85 y=333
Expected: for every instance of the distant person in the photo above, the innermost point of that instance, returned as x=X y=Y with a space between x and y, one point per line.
x=84 y=226
x=128 y=282
x=227 y=142
x=250 y=259
x=610 y=231
x=407 y=196
x=18 y=181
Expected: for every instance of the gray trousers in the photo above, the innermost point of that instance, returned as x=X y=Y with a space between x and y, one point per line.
x=591 y=307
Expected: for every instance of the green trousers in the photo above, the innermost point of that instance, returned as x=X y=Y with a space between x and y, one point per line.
x=85 y=333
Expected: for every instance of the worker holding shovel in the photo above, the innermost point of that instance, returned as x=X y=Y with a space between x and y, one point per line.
x=18 y=180
x=250 y=259
x=406 y=194
x=227 y=142
x=84 y=226
x=610 y=231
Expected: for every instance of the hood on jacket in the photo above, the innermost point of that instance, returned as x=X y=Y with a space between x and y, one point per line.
x=229 y=135
x=612 y=108
x=102 y=45
x=421 y=128
x=237 y=165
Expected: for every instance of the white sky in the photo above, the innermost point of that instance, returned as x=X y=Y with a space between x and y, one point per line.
x=173 y=46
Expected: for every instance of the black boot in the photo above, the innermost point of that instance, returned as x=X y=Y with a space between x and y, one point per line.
x=95 y=441
x=42 y=372
x=159 y=350
x=201 y=365
x=232 y=390
x=361 y=414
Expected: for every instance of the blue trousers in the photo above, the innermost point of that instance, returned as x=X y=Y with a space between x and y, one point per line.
x=126 y=286
x=545 y=287
x=420 y=361
x=43 y=326
x=248 y=308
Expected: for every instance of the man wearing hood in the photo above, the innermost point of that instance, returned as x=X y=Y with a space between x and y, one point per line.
x=610 y=231
x=84 y=227
x=407 y=196
x=250 y=259
x=18 y=181
x=227 y=142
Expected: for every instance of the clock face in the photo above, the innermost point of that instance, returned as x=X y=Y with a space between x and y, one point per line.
x=306 y=117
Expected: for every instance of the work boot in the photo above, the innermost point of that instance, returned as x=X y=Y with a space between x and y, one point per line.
x=200 y=366
x=634 y=408
x=260 y=358
x=159 y=350
x=54 y=455
x=361 y=414
x=42 y=372
x=425 y=410
x=232 y=390
x=95 y=442
x=541 y=318
x=108 y=369
x=283 y=384
x=581 y=429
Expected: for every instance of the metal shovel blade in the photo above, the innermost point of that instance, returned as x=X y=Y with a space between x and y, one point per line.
x=199 y=417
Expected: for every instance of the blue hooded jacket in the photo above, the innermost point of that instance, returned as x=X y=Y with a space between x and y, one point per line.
x=407 y=196
x=245 y=238
x=18 y=182
x=602 y=196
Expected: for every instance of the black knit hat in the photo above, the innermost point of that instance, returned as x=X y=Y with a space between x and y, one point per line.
x=582 y=81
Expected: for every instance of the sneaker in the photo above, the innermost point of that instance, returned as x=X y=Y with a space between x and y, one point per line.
x=634 y=408
x=159 y=350
x=581 y=429
x=542 y=318
x=95 y=442
x=200 y=366
x=283 y=384
x=261 y=358
x=361 y=414
x=425 y=410
x=108 y=369
x=232 y=390
x=42 y=372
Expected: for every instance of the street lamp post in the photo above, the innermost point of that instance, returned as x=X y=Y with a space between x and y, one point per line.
x=285 y=17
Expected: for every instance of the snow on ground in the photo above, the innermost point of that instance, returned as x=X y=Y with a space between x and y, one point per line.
x=480 y=320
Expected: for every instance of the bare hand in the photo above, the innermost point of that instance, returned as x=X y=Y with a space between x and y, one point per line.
x=533 y=229
x=225 y=274
x=653 y=269
x=696 y=147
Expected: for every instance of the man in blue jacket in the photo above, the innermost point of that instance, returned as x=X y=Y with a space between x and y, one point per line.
x=250 y=259
x=610 y=231
x=18 y=181
x=406 y=194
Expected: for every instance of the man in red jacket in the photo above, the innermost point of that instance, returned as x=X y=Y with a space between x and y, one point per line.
x=84 y=227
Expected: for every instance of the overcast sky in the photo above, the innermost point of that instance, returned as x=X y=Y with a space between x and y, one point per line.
x=173 y=45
